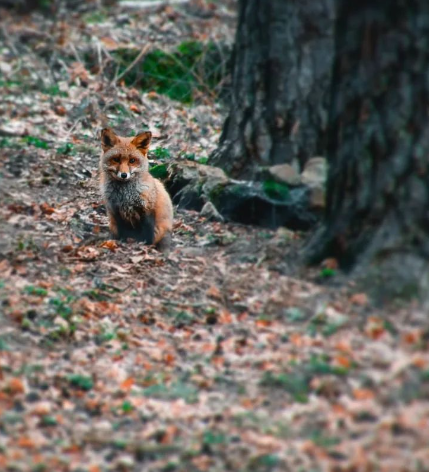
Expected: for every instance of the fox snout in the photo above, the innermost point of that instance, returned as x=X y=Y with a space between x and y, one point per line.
x=123 y=175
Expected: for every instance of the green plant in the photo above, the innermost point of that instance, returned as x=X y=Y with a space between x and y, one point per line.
x=276 y=190
x=36 y=142
x=327 y=273
x=159 y=172
x=82 y=382
x=127 y=407
x=176 y=390
x=212 y=438
x=296 y=384
x=54 y=91
x=161 y=153
x=38 y=291
x=67 y=149
x=192 y=67
x=62 y=307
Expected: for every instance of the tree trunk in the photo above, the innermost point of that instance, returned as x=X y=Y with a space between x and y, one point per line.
x=378 y=138
x=281 y=75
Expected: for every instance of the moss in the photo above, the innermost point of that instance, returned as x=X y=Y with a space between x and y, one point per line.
x=216 y=192
x=276 y=190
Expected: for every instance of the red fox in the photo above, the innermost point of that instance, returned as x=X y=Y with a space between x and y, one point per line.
x=137 y=204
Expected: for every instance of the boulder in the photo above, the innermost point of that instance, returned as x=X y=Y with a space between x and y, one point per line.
x=315 y=172
x=188 y=182
x=285 y=173
x=270 y=203
x=210 y=212
x=314 y=176
x=248 y=203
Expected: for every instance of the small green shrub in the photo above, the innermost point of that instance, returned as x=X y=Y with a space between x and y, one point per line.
x=161 y=153
x=159 y=171
x=82 y=382
x=193 y=67
x=38 y=291
x=36 y=142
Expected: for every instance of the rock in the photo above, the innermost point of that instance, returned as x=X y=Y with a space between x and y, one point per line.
x=314 y=176
x=285 y=173
x=248 y=204
x=315 y=172
x=61 y=322
x=184 y=172
x=210 y=212
x=188 y=181
x=125 y=462
x=271 y=203
x=317 y=197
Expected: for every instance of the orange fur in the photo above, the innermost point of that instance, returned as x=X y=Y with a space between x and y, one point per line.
x=138 y=205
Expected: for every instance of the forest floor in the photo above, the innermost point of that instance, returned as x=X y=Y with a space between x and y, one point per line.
x=220 y=356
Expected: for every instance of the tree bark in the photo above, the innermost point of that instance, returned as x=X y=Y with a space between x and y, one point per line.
x=281 y=75
x=378 y=137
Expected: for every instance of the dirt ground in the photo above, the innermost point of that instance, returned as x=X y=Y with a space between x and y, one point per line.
x=223 y=355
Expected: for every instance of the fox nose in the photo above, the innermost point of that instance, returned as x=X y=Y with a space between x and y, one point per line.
x=124 y=175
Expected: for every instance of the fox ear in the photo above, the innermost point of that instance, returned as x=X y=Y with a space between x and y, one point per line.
x=108 y=139
x=142 y=141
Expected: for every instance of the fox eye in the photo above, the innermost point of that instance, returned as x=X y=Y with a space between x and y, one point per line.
x=132 y=160
x=116 y=159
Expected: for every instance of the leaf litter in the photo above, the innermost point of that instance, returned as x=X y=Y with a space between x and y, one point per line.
x=218 y=356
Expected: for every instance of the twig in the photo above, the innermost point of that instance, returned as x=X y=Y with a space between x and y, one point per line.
x=92 y=239
x=144 y=51
x=150 y=4
x=69 y=132
x=195 y=305
x=75 y=52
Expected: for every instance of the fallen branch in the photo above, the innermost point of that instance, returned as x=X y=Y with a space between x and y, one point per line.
x=150 y=4
x=142 y=53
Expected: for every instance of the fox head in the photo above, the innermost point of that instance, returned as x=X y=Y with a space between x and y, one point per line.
x=124 y=159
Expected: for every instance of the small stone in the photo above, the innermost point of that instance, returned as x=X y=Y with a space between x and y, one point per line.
x=317 y=197
x=210 y=212
x=42 y=408
x=125 y=462
x=315 y=172
x=285 y=173
x=102 y=427
x=314 y=176
x=61 y=322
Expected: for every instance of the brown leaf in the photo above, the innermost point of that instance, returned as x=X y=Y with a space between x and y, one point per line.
x=214 y=292
x=374 y=327
x=109 y=43
x=15 y=386
x=78 y=71
x=111 y=244
x=127 y=384
x=330 y=263
x=47 y=209
x=135 y=109
x=363 y=394
x=360 y=299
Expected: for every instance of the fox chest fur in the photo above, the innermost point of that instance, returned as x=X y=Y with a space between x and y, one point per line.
x=124 y=199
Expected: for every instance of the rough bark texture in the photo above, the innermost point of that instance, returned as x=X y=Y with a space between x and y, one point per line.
x=281 y=75
x=378 y=139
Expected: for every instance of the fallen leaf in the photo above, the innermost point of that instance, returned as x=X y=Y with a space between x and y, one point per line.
x=360 y=299
x=111 y=244
x=127 y=384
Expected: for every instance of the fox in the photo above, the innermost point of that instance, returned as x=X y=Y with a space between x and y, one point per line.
x=137 y=204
